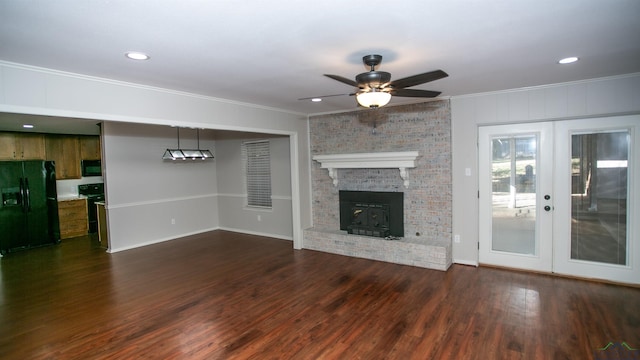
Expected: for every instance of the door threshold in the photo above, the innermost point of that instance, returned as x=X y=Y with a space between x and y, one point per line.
x=565 y=276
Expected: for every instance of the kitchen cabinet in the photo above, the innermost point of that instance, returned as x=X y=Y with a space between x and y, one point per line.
x=7 y=146
x=73 y=218
x=22 y=146
x=31 y=146
x=90 y=148
x=65 y=151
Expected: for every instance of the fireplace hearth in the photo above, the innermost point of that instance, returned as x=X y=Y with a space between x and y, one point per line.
x=372 y=213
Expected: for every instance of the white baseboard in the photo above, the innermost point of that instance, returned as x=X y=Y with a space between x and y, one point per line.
x=242 y=231
x=157 y=241
x=466 y=262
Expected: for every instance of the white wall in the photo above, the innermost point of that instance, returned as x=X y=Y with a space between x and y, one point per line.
x=152 y=199
x=234 y=215
x=606 y=96
x=30 y=90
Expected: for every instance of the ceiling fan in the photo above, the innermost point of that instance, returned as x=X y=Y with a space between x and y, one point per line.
x=375 y=88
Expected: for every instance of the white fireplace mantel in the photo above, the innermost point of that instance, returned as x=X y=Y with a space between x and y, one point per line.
x=380 y=160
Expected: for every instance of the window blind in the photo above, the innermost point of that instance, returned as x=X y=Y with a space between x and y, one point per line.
x=257 y=159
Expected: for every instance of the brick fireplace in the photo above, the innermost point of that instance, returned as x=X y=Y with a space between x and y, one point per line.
x=420 y=129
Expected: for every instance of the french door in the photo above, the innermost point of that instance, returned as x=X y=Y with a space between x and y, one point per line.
x=515 y=169
x=558 y=197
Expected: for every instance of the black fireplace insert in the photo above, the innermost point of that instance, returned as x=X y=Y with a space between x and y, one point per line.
x=372 y=213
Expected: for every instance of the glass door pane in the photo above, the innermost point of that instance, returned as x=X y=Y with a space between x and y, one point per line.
x=515 y=165
x=513 y=176
x=599 y=188
x=596 y=179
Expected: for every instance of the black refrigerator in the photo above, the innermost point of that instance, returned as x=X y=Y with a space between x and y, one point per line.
x=29 y=207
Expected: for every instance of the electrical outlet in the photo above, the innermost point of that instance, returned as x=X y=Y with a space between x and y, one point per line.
x=259 y=217
x=173 y=221
x=456 y=239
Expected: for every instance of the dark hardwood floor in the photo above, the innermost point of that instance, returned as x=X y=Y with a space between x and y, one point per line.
x=223 y=295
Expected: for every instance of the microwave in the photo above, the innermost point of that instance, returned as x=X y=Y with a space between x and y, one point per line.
x=91 y=167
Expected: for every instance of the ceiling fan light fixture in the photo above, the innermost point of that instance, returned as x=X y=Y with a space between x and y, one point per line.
x=374 y=88
x=373 y=99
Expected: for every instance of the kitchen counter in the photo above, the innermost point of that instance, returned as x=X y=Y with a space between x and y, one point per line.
x=71 y=197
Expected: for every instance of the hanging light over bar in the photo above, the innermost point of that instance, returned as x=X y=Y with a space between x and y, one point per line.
x=187 y=154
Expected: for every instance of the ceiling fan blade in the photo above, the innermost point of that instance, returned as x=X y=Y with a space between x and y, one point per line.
x=342 y=80
x=414 y=93
x=322 y=96
x=418 y=79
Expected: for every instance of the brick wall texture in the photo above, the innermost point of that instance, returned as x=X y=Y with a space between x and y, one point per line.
x=424 y=127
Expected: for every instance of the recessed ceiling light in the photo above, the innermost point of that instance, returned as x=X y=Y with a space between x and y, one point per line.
x=134 y=55
x=316 y=99
x=568 y=60
x=27 y=126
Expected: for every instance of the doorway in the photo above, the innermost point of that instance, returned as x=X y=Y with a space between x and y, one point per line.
x=556 y=197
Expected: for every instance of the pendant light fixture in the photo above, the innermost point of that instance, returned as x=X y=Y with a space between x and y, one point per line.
x=187 y=154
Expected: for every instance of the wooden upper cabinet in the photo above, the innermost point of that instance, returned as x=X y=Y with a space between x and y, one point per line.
x=65 y=151
x=90 y=148
x=22 y=146
x=7 y=146
x=30 y=146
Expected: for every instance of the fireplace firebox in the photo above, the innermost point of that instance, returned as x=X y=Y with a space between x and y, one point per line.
x=372 y=213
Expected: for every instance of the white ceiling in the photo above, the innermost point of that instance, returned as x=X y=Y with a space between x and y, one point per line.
x=271 y=53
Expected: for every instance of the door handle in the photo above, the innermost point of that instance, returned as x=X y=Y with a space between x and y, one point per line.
x=23 y=197
x=26 y=185
x=547 y=208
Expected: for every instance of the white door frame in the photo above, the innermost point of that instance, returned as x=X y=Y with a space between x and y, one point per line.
x=542 y=259
x=553 y=228
x=562 y=263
